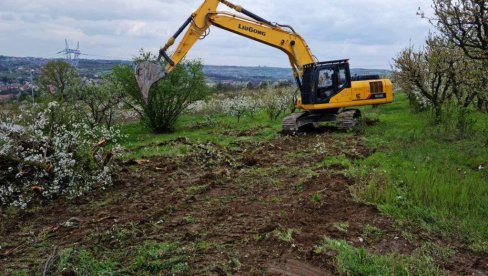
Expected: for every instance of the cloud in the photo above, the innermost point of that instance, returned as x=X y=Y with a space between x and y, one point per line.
x=369 y=32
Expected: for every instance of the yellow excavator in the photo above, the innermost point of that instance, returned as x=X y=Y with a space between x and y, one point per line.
x=327 y=89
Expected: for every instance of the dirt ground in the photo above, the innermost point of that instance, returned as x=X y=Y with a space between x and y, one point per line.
x=237 y=200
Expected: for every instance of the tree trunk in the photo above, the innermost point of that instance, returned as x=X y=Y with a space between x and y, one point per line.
x=437 y=114
x=480 y=103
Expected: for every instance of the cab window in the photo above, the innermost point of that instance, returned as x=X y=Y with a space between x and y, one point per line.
x=325 y=78
x=342 y=78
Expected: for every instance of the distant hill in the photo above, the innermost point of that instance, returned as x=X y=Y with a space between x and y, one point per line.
x=262 y=73
x=19 y=69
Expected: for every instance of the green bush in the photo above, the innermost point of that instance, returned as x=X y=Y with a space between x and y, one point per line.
x=101 y=100
x=168 y=98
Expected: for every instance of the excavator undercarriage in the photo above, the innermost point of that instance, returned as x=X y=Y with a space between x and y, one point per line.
x=343 y=119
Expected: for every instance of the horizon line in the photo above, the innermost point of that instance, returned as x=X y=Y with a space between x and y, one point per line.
x=205 y=64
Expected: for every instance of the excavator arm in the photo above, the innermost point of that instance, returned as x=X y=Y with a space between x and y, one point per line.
x=254 y=27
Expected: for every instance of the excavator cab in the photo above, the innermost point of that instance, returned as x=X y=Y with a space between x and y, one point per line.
x=328 y=93
x=323 y=80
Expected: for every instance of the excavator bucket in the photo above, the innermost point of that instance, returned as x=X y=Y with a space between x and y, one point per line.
x=147 y=73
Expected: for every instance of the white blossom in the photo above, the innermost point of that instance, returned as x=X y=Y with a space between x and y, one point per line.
x=55 y=156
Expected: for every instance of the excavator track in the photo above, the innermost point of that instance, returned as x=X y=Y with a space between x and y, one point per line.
x=292 y=124
x=347 y=119
x=296 y=122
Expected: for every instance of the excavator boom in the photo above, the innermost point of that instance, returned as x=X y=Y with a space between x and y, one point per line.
x=256 y=28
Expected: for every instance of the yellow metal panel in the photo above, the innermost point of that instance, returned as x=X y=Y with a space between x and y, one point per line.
x=272 y=36
x=196 y=30
x=358 y=95
x=291 y=43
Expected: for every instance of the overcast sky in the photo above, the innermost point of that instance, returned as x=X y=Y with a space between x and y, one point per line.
x=369 y=32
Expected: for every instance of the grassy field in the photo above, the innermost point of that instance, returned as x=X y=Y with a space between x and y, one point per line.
x=222 y=197
x=426 y=176
x=423 y=175
x=219 y=129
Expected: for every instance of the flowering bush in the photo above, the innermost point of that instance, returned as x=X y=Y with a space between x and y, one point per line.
x=240 y=105
x=208 y=107
x=49 y=152
x=277 y=101
x=274 y=101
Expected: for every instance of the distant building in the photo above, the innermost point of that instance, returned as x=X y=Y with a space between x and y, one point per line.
x=24 y=87
x=4 y=98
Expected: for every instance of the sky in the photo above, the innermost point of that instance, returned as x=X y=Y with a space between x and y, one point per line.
x=368 y=32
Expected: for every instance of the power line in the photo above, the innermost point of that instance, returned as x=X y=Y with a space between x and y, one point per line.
x=72 y=55
x=100 y=56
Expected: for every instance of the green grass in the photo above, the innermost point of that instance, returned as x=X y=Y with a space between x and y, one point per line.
x=284 y=235
x=153 y=258
x=341 y=226
x=222 y=130
x=425 y=176
x=195 y=190
x=372 y=232
x=337 y=162
x=358 y=261
x=150 y=258
x=84 y=263
x=316 y=198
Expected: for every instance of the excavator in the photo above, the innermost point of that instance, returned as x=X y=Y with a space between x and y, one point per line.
x=328 y=92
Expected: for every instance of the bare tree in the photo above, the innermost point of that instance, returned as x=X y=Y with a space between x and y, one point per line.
x=465 y=23
x=102 y=101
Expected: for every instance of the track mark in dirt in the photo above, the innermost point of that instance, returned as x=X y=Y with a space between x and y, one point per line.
x=266 y=205
x=295 y=268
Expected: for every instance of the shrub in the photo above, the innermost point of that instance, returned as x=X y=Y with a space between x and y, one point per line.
x=277 y=101
x=274 y=101
x=102 y=101
x=59 y=78
x=49 y=152
x=168 y=98
x=239 y=106
x=209 y=107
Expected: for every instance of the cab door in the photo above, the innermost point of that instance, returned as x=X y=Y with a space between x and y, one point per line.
x=331 y=81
